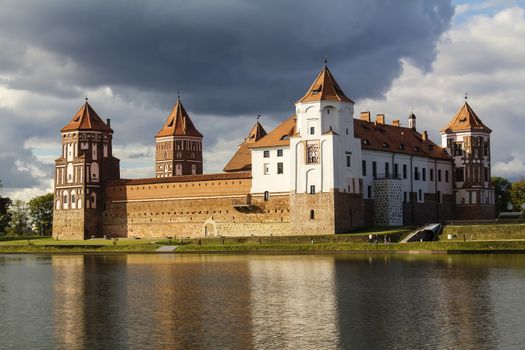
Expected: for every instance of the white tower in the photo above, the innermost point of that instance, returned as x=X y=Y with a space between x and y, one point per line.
x=325 y=156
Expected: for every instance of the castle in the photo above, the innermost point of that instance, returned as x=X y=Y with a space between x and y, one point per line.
x=318 y=172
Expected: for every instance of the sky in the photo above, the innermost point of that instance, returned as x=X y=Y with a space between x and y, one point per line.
x=234 y=59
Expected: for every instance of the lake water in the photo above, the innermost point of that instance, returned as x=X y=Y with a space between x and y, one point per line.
x=262 y=301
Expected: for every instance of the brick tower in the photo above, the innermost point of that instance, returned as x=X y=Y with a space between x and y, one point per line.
x=178 y=145
x=467 y=140
x=85 y=165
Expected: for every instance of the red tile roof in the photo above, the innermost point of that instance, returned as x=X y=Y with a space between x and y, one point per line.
x=86 y=119
x=178 y=123
x=325 y=88
x=465 y=120
x=280 y=136
x=390 y=138
x=242 y=159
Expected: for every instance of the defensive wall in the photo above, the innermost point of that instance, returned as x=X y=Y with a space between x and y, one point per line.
x=210 y=205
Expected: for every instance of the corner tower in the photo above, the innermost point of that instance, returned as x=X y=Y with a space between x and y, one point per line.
x=85 y=165
x=178 y=145
x=467 y=140
x=325 y=159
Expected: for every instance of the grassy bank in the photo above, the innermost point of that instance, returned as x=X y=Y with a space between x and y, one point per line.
x=127 y=246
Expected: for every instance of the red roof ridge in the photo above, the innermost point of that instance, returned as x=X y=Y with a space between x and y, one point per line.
x=86 y=119
x=324 y=88
x=178 y=123
x=465 y=120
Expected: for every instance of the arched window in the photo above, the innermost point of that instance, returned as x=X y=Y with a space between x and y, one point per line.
x=57 y=206
x=94 y=172
x=312 y=214
x=178 y=169
x=70 y=172
x=73 y=199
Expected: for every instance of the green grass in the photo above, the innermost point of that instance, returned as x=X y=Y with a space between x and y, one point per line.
x=89 y=242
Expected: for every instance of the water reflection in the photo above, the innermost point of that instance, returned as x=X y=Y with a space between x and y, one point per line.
x=261 y=302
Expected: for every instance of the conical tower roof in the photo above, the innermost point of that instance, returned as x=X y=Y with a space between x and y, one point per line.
x=86 y=119
x=325 y=88
x=178 y=123
x=466 y=120
x=242 y=159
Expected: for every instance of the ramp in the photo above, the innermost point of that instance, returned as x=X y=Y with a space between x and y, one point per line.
x=425 y=233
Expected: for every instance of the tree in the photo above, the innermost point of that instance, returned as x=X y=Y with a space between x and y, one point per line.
x=517 y=194
x=502 y=191
x=5 y=217
x=19 y=224
x=41 y=213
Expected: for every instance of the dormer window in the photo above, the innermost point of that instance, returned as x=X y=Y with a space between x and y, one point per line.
x=401 y=146
x=366 y=142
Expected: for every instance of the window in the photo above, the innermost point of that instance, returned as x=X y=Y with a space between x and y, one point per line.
x=439 y=175
x=424 y=174
x=431 y=174
x=347 y=131
x=486 y=149
x=266 y=154
x=420 y=195
x=438 y=197
x=312 y=213
x=458 y=149
x=348 y=161
x=266 y=195
x=279 y=153
x=279 y=168
x=374 y=170
x=387 y=170
x=312 y=130
x=404 y=171
x=369 y=191
x=266 y=168
x=396 y=170
x=416 y=173
x=65 y=198
x=486 y=172
x=363 y=165
x=312 y=189
x=312 y=152
x=405 y=197
x=193 y=169
x=460 y=174
x=446 y=175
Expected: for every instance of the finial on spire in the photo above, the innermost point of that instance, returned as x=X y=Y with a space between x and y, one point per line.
x=86 y=99
x=258 y=116
x=466 y=96
x=178 y=95
x=325 y=60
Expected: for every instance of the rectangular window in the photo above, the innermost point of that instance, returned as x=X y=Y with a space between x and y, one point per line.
x=439 y=175
x=312 y=130
x=280 y=168
x=460 y=174
x=312 y=189
x=279 y=153
x=431 y=174
x=446 y=175
x=387 y=170
x=348 y=161
x=266 y=168
x=458 y=149
x=405 y=197
x=420 y=195
x=424 y=174
x=374 y=169
x=404 y=171
x=486 y=149
x=416 y=173
x=266 y=154
x=438 y=197
x=396 y=170
x=363 y=165
x=369 y=191
x=486 y=170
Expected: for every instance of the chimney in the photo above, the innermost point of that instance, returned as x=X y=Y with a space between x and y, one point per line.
x=396 y=123
x=380 y=119
x=424 y=135
x=108 y=122
x=365 y=116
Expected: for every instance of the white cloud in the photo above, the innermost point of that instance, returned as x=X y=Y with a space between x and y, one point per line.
x=485 y=57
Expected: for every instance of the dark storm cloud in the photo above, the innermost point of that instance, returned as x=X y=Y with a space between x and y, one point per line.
x=228 y=57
